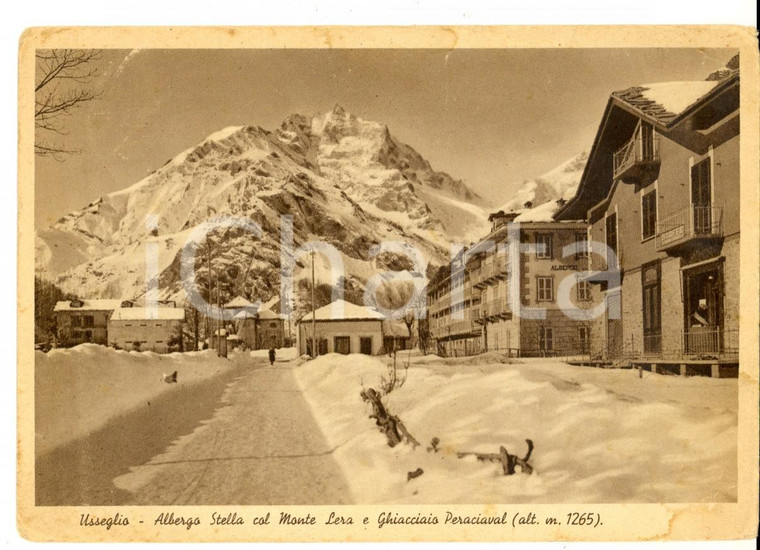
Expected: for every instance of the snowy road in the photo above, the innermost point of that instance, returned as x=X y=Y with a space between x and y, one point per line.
x=262 y=446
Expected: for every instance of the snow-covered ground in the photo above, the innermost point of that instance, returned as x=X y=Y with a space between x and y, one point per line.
x=600 y=435
x=78 y=390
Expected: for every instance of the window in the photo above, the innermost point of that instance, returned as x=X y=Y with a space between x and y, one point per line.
x=76 y=321
x=88 y=321
x=159 y=325
x=581 y=242
x=545 y=339
x=159 y=341
x=584 y=338
x=321 y=346
x=543 y=245
x=611 y=240
x=649 y=214
x=584 y=291
x=273 y=324
x=128 y=325
x=545 y=289
x=342 y=345
x=143 y=324
x=648 y=148
x=701 y=196
x=365 y=345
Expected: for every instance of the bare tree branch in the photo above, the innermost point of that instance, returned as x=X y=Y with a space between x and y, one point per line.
x=63 y=84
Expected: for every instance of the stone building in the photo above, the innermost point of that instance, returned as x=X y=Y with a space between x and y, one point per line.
x=503 y=293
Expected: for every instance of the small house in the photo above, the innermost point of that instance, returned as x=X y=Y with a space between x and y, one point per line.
x=342 y=327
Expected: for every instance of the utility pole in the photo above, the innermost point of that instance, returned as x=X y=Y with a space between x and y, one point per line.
x=219 y=323
x=208 y=288
x=314 y=349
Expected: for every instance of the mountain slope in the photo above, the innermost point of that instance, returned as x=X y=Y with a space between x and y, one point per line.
x=344 y=180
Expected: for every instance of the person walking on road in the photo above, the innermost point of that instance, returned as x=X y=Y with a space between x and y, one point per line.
x=271 y=356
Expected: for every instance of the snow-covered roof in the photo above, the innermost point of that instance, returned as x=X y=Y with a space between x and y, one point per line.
x=269 y=314
x=340 y=310
x=238 y=302
x=245 y=314
x=88 y=305
x=541 y=213
x=141 y=314
x=664 y=101
x=252 y=314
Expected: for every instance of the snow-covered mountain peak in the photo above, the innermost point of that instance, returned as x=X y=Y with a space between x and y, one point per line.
x=345 y=180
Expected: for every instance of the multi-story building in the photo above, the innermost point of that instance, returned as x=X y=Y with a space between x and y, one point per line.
x=503 y=295
x=661 y=196
x=82 y=321
x=454 y=311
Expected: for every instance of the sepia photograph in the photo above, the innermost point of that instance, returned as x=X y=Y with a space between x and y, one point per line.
x=386 y=277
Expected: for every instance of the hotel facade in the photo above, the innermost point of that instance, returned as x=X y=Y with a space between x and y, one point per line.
x=517 y=291
x=661 y=194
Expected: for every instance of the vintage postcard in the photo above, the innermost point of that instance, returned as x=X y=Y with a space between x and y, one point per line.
x=388 y=284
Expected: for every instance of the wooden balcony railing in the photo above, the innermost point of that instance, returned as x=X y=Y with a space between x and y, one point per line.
x=635 y=154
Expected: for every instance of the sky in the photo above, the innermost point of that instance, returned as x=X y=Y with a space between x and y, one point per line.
x=492 y=118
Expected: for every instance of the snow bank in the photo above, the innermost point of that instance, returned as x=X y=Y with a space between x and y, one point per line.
x=600 y=435
x=78 y=390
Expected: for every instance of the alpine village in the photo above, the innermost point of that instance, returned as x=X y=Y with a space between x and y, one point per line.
x=599 y=306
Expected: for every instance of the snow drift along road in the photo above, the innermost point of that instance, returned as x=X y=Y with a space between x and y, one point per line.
x=601 y=436
x=78 y=390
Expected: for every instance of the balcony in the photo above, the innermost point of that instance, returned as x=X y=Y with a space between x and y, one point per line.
x=636 y=158
x=448 y=327
x=462 y=327
x=476 y=277
x=693 y=226
x=491 y=270
x=476 y=313
x=496 y=309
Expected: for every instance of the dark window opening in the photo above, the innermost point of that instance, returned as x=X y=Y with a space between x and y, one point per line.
x=545 y=339
x=648 y=215
x=343 y=345
x=611 y=240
